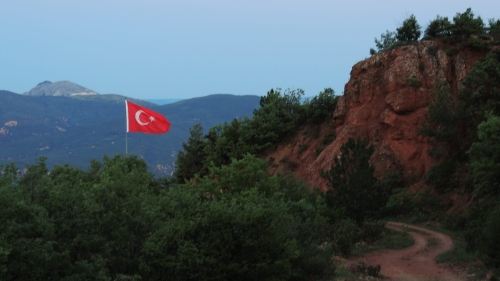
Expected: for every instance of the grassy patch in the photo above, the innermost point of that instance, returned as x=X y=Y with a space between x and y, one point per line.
x=411 y=229
x=343 y=273
x=432 y=243
x=458 y=254
x=413 y=81
x=390 y=239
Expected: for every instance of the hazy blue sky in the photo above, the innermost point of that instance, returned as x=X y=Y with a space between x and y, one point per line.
x=188 y=48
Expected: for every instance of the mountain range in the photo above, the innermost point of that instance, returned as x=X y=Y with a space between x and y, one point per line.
x=56 y=121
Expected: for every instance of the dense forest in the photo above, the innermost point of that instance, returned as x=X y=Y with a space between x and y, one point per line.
x=222 y=216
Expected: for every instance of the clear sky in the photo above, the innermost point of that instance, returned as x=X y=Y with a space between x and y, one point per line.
x=182 y=49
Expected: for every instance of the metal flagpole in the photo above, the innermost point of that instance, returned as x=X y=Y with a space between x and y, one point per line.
x=126 y=130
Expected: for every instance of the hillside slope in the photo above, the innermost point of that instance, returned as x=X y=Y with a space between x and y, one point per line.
x=74 y=130
x=384 y=102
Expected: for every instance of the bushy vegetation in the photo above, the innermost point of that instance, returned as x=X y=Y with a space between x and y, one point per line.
x=462 y=27
x=354 y=189
x=465 y=132
x=222 y=216
x=280 y=114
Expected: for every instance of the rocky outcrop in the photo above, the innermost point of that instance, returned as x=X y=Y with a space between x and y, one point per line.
x=385 y=103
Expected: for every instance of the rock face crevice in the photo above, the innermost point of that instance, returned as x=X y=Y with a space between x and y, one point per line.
x=385 y=102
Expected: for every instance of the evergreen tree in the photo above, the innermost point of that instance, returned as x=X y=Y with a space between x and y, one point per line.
x=190 y=160
x=353 y=186
x=409 y=31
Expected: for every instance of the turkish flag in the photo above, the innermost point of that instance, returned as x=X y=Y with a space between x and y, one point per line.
x=143 y=120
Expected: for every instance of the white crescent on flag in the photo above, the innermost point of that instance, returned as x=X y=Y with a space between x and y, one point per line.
x=138 y=119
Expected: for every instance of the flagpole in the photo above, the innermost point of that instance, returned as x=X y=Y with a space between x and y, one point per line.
x=126 y=130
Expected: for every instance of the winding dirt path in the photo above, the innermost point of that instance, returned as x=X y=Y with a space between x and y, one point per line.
x=415 y=262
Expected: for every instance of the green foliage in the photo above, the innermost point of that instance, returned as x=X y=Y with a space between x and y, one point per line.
x=240 y=237
x=289 y=163
x=278 y=115
x=445 y=122
x=465 y=24
x=409 y=31
x=451 y=51
x=478 y=44
x=421 y=66
x=368 y=269
x=485 y=159
x=489 y=239
x=353 y=186
x=494 y=28
x=400 y=203
x=432 y=50
x=116 y=222
x=413 y=81
x=439 y=27
x=481 y=89
x=302 y=147
x=327 y=138
x=452 y=122
x=387 y=41
x=190 y=160
x=321 y=107
x=227 y=141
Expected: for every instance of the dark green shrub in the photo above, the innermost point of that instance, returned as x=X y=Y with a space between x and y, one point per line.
x=371 y=231
x=490 y=245
x=439 y=27
x=328 y=138
x=494 y=29
x=413 y=81
x=421 y=66
x=321 y=107
x=409 y=31
x=368 y=269
x=318 y=150
x=302 y=148
x=289 y=163
x=478 y=44
x=432 y=50
x=400 y=203
x=345 y=234
x=465 y=24
x=451 y=51
x=353 y=187
x=387 y=41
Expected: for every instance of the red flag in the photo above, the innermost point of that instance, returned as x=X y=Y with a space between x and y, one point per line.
x=143 y=120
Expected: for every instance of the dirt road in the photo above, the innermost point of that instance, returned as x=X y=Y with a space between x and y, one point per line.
x=416 y=262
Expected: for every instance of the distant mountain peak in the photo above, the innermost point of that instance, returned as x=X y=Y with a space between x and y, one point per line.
x=46 y=82
x=60 y=88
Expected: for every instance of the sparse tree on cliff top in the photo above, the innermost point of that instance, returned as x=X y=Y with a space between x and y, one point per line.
x=409 y=31
x=438 y=27
x=465 y=24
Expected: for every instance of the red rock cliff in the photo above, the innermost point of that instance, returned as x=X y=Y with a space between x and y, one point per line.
x=384 y=102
